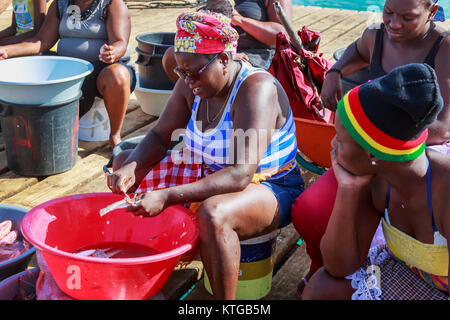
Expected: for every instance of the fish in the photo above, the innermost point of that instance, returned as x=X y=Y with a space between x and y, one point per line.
x=5 y=228
x=10 y=246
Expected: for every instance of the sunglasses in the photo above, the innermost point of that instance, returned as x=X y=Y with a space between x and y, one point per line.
x=193 y=75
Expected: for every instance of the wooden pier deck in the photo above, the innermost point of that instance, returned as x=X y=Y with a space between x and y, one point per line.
x=338 y=28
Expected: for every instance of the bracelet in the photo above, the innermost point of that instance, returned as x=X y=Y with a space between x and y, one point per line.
x=334 y=70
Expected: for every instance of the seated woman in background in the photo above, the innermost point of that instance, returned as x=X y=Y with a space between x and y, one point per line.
x=257 y=24
x=384 y=172
x=407 y=35
x=97 y=31
x=27 y=19
x=239 y=149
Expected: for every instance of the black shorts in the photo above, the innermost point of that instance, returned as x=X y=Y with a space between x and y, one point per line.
x=90 y=90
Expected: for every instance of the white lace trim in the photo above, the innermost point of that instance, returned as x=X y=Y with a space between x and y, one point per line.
x=367 y=280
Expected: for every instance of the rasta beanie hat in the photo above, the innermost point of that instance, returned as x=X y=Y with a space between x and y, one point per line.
x=389 y=116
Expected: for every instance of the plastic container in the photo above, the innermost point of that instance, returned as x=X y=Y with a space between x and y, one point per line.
x=152 y=101
x=16 y=285
x=40 y=140
x=314 y=140
x=20 y=263
x=62 y=226
x=255 y=269
x=94 y=125
x=354 y=79
x=42 y=80
x=151 y=48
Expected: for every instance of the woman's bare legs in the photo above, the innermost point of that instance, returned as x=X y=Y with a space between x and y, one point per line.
x=226 y=219
x=113 y=83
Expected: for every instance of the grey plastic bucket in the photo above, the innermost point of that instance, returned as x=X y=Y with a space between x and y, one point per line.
x=151 y=48
x=354 y=79
x=40 y=140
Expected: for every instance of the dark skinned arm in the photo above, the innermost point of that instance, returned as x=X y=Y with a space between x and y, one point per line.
x=355 y=57
x=264 y=31
x=352 y=224
x=118 y=24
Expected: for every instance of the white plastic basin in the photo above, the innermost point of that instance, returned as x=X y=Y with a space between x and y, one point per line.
x=152 y=101
x=38 y=80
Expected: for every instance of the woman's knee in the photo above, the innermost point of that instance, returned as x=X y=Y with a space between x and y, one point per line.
x=212 y=217
x=114 y=77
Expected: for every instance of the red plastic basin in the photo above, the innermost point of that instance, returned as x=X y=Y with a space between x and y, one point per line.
x=62 y=226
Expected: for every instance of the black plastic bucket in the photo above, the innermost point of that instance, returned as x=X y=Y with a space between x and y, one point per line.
x=40 y=140
x=151 y=48
x=354 y=79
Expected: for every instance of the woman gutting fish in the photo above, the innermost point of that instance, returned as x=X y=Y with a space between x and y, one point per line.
x=239 y=154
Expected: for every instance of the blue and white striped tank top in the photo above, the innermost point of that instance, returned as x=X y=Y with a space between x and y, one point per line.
x=213 y=146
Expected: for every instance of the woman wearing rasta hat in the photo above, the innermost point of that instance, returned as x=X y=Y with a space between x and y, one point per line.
x=383 y=172
x=239 y=150
x=407 y=35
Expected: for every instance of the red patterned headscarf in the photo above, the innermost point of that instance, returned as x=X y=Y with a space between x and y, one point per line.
x=204 y=32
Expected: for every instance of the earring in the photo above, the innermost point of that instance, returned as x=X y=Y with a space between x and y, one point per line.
x=374 y=162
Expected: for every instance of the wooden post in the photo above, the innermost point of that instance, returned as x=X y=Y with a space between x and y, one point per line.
x=295 y=39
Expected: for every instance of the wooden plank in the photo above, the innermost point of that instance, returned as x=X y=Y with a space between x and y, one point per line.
x=5 y=19
x=61 y=184
x=11 y=183
x=324 y=24
x=316 y=16
x=285 y=281
x=339 y=29
x=4 y=4
x=285 y=242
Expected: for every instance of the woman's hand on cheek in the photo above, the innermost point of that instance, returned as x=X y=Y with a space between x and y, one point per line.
x=345 y=178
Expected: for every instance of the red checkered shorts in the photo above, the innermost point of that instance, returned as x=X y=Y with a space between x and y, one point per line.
x=178 y=168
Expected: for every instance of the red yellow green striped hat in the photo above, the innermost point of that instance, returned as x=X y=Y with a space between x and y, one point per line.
x=389 y=116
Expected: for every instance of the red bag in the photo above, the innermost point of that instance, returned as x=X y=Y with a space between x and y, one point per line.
x=302 y=74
